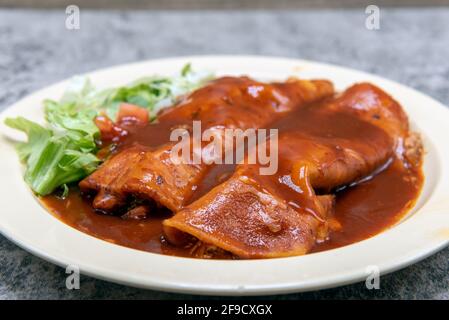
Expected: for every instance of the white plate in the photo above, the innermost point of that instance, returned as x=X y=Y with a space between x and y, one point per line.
x=424 y=231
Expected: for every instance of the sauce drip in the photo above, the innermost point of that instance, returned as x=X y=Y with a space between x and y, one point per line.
x=363 y=210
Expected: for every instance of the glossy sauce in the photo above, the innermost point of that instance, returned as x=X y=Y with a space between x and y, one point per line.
x=374 y=205
x=146 y=235
x=363 y=210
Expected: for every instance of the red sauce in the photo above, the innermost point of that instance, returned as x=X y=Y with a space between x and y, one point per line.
x=363 y=210
x=374 y=205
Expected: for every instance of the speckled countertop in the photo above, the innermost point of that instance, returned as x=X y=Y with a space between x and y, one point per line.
x=412 y=47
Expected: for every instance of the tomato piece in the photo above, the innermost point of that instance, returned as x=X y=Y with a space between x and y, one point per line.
x=104 y=124
x=132 y=113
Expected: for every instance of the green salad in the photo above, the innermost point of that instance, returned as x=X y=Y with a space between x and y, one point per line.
x=64 y=150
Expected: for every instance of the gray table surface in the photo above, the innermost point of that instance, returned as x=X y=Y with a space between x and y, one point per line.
x=412 y=47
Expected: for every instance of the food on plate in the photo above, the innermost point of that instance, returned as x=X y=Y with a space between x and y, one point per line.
x=229 y=102
x=66 y=149
x=326 y=145
x=347 y=165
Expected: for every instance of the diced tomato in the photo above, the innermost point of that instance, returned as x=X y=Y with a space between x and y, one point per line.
x=132 y=113
x=128 y=116
x=104 y=124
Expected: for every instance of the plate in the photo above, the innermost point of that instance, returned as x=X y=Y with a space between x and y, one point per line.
x=421 y=233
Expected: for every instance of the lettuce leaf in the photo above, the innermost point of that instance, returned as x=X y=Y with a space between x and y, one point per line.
x=64 y=151
x=51 y=161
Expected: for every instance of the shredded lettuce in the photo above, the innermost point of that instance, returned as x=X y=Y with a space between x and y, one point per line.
x=51 y=160
x=64 y=151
